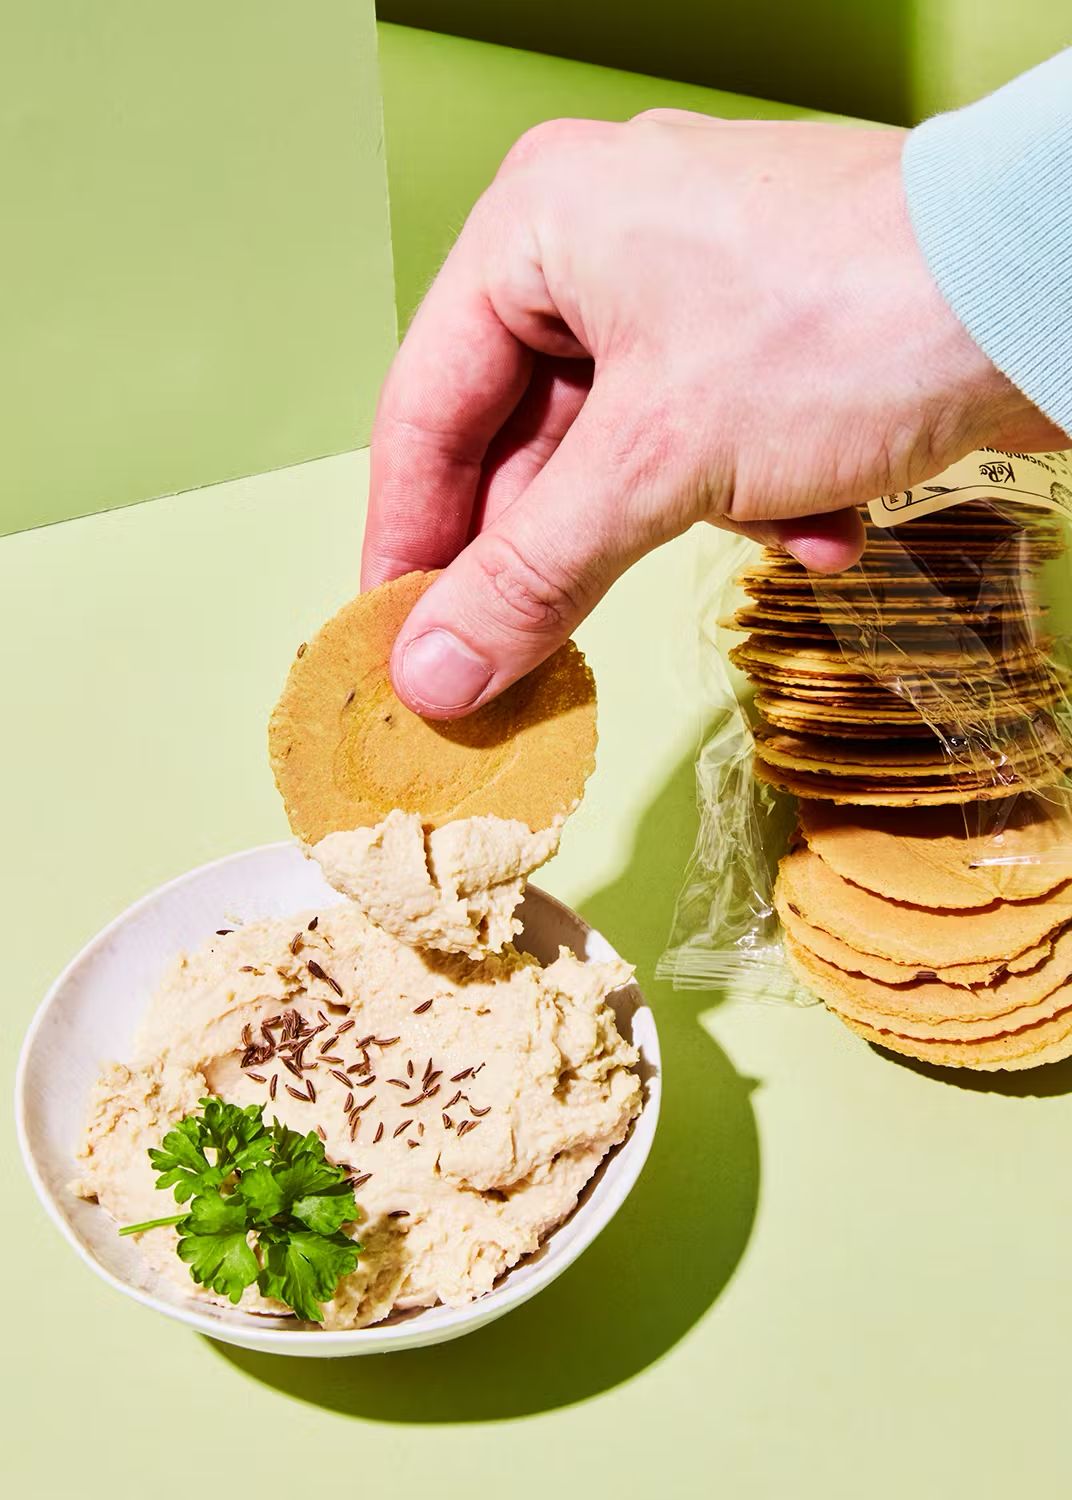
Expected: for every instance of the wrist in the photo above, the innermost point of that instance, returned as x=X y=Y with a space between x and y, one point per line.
x=974 y=404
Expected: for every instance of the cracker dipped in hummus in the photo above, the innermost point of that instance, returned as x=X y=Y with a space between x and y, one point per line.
x=465 y=1093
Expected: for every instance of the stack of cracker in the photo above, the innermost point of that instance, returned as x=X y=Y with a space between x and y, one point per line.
x=919 y=677
x=949 y=946
x=911 y=704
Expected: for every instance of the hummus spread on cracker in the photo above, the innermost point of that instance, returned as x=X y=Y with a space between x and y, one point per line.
x=455 y=888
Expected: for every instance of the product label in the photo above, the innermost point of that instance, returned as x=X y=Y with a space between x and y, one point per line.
x=1020 y=478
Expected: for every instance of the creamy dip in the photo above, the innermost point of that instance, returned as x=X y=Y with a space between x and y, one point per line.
x=455 y=888
x=471 y=1101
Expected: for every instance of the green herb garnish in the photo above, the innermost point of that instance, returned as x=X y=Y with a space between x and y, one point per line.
x=266 y=1206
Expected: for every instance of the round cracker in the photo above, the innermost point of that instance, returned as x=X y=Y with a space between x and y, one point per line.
x=787 y=656
x=910 y=934
x=930 y=1009
x=850 y=790
x=1033 y=1047
x=835 y=719
x=852 y=960
x=888 y=707
x=911 y=581
x=935 y=616
x=940 y=857
x=840 y=757
x=871 y=728
x=803 y=720
x=346 y=752
x=912 y=762
x=1023 y=691
x=1022 y=685
x=863 y=636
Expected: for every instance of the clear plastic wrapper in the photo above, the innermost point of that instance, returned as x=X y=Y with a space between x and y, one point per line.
x=931 y=676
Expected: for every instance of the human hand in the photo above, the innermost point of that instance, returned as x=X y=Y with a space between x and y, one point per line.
x=647 y=325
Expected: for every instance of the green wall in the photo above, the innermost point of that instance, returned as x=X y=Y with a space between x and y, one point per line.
x=895 y=60
x=196 y=260
x=453 y=107
x=195 y=257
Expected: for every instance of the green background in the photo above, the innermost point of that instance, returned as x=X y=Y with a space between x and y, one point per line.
x=893 y=60
x=195 y=258
x=453 y=107
x=196 y=216
x=839 y=1276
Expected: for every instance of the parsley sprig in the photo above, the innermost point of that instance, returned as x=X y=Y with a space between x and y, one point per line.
x=265 y=1206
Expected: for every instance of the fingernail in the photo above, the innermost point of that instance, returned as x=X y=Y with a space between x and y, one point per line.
x=438 y=669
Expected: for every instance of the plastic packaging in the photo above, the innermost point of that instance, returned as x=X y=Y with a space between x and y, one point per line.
x=934 y=674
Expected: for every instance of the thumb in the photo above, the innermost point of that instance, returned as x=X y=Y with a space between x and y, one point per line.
x=523 y=586
x=826 y=543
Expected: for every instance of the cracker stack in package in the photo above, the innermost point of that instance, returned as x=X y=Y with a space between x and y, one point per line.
x=886 y=805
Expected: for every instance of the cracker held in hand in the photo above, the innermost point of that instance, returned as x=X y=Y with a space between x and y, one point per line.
x=345 y=752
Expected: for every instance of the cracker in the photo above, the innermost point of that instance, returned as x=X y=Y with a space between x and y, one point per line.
x=886 y=704
x=786 y=656
x=912 y=760
x=936 y=614
x=839 y=757
x=887 y=707
x=851 y=790
x=863 y=691
x=861 y=678
x=869 y=723
x=748 y=620
x=910 y=934
x=346 y=752
x=911 y=580
x=853 y=961
x=1033 y=1047
x=1020 y=963
x=943 y=857
x=928 y=1008
x=871 y=728
x=961 y=712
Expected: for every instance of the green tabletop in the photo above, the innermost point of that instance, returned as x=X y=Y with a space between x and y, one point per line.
x=838 y=1277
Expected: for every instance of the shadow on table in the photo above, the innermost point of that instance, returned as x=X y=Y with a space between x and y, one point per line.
x=657 y=1268
x=1026 y=1083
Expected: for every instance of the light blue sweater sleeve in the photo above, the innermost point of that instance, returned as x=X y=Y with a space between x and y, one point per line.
x=989 y=192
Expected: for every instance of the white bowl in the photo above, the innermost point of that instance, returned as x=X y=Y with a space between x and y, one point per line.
x=92 y=1011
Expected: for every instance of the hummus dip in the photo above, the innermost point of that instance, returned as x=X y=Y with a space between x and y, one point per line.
x=454 y=889
x=470 y=1101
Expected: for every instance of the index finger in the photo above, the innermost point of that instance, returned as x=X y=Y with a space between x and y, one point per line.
x=457 y=377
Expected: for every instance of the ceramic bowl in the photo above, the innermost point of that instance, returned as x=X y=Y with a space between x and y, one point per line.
x=92 y=1011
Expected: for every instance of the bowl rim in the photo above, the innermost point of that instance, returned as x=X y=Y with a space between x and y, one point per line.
x=259 y=1333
